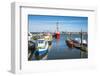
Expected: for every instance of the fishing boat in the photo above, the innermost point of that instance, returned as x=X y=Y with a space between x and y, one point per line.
x=78 y=41
x=80 y=45
x=41 y=47
x=48 y=38
x=57 y=33
x=70 y=43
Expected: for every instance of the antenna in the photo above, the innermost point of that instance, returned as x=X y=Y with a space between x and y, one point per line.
x=57 y=26
x=81 y=36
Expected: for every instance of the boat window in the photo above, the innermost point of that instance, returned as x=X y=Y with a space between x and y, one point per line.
x=40 y=41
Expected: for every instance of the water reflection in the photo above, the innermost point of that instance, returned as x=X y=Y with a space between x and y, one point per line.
x=60 y=50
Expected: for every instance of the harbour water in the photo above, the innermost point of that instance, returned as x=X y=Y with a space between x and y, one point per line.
x=59 y=50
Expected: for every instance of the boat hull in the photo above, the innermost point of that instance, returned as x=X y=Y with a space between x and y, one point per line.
x=57 y=35
x=40 y=53
x=69 y=44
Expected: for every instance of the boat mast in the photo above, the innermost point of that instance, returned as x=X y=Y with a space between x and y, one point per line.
x=81 y=37
x=57 y=27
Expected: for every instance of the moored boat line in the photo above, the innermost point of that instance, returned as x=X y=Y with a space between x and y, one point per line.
x=78 y=43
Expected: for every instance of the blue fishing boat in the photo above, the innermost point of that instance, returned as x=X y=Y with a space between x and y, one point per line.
x=41 y=47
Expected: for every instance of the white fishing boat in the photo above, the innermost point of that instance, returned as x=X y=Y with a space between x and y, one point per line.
x=78 y=40
x=41 y=47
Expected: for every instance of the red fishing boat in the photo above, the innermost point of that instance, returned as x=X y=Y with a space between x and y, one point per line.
x=57 y=34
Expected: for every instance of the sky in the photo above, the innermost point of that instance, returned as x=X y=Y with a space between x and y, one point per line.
x=44 y=23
